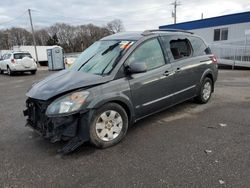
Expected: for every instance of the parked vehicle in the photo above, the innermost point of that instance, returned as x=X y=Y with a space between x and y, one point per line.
x=117 y=81
x=41 y=51
x=17 y=62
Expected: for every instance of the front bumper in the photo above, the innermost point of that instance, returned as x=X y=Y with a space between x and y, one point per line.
x=56 y=128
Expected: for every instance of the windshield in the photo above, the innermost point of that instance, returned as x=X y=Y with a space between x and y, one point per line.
x=101 y=57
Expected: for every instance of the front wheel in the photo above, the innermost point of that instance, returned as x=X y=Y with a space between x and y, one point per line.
x=205 y=91
x=109 y=125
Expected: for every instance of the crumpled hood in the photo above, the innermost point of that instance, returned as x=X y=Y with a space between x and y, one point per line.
x=63 y=81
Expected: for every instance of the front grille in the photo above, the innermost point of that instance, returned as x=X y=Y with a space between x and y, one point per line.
x=37 y=117
x=52 y=128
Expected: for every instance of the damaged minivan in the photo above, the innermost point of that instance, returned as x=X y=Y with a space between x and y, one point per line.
x=117 y=81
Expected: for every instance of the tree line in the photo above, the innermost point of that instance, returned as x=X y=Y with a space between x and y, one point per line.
x=70 y=38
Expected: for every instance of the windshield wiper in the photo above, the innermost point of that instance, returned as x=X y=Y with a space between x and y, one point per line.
x=88 y=60
x=110 y=48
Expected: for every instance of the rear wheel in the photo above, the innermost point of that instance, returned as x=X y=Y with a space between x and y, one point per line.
x=33 y=72
x=109 y=125
x=1 y=71
x=205 y=91
x=9 y=72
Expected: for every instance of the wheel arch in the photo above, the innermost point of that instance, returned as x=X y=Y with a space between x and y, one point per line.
x=208 y=74
x=124 y=103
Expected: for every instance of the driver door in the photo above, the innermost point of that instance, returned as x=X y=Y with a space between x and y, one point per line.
x=150 y=90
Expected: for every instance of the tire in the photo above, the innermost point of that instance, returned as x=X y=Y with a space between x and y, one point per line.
x=104 y=129
x=33 y=72
x=205 y=91
x=9 y=71
x=1 y=71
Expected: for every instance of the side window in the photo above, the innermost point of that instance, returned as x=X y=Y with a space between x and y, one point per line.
x=150 y=53
x=180 y=48
x=199 y=47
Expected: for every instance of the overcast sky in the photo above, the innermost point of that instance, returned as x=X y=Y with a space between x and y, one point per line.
x=135 y=14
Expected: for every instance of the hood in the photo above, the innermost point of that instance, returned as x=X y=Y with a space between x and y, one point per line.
x=63 y=81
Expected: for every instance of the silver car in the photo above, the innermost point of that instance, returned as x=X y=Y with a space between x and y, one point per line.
x=17 y=62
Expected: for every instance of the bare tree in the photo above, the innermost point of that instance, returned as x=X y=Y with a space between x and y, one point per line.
x=18 y=36
x=42 y=37
x=4 y=40
x=115 y=26
x=71 y=38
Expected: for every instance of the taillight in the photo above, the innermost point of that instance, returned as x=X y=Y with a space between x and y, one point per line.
x=13 y=61
x=214 y=59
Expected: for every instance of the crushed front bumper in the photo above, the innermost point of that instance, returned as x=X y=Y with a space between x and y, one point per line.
x=72 y=127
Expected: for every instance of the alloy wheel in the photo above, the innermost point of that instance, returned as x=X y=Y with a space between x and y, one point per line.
x=207 y=91
x=109 y=125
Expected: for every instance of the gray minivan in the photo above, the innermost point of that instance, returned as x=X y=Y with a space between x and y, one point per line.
x=117 y=81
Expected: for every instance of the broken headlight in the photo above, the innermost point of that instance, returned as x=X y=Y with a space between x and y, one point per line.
x=68 y=103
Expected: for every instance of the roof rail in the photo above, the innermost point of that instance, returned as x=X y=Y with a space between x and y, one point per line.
x=148 y=32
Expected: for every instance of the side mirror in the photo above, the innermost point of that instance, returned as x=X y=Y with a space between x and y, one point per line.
x=137 y=68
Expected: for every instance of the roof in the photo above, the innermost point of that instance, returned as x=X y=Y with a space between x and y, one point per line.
x=136 y=35
x=211 y=22
x=132 y=35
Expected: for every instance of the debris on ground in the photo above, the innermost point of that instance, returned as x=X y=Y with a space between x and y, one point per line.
x=216 y=161
x=222 y=124
x=208 y=151
x=222 y=182
x=212 y=127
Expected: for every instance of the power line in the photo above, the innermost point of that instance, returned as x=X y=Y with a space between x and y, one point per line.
x=3 y=23
x=138 y=12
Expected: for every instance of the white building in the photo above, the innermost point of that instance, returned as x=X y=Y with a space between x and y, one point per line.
x=228 y=36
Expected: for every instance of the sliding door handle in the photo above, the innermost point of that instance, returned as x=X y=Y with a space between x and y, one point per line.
x=168 y=73
x=178 y=70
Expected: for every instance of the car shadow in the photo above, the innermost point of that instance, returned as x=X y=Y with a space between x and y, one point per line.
x=17 y=74
x=88 y=149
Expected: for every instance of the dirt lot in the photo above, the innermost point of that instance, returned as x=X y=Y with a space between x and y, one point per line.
x=186 y=146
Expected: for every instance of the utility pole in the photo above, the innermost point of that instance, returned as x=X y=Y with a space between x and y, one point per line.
x=33 y=34
x=174 y=14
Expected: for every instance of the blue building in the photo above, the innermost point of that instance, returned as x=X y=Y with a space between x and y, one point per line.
x=231 y=29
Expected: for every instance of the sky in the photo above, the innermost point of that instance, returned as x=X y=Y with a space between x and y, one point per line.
x=135 y=14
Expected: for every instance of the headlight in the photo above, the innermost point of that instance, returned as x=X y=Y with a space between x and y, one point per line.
x=68 y=103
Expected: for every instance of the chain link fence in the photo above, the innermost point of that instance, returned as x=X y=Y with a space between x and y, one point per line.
x=232 y=55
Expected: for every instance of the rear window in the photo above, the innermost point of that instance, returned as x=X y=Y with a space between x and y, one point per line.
x=22 y=55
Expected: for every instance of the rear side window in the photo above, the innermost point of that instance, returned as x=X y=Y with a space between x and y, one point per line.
x=22 y=55
x=199 y=47
x=149 y=53
x=180 y=48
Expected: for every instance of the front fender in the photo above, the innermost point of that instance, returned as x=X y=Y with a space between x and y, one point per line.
x=119 y=98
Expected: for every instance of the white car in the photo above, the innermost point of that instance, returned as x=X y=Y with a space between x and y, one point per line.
x=17 y=62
